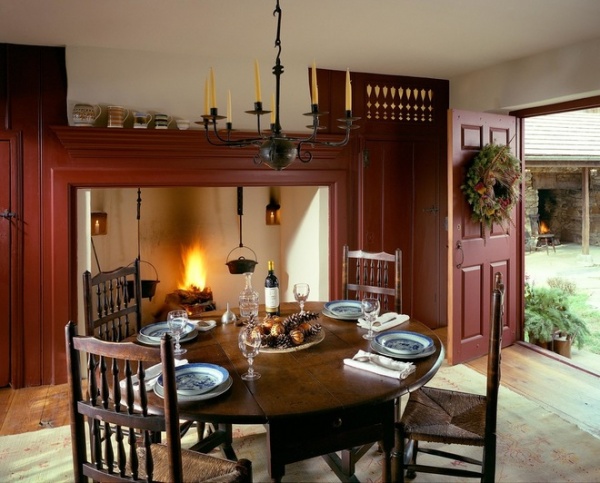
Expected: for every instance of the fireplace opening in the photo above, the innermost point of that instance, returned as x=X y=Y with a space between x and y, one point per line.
x=546 y=209
x=178 y=218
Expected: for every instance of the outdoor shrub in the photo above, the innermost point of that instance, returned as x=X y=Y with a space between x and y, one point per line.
x=563 y=284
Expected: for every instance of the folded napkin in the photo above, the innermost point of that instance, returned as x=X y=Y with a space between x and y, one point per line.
x=384 y=322
x=384 y=366
x=152 y=374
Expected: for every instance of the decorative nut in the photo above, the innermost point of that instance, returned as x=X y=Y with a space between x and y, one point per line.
x=297 y=336
x=277 y=329
x=305 y=327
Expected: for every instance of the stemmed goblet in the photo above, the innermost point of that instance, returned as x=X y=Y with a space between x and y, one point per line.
x=178 y=321
x=301 y=291
x=249 y=341
x=370 y=308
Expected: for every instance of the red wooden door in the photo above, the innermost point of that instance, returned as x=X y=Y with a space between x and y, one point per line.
x=10 y=255
x=477 y=253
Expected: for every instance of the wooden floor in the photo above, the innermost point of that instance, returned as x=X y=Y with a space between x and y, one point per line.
x=570 y=392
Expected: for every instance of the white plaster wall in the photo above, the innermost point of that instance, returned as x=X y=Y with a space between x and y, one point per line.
x=156 y=82
x=559 y=75
x=305 y=242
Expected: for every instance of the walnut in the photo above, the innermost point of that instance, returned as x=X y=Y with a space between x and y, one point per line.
x=277 y=329
x=297 y=336
x=269 y=320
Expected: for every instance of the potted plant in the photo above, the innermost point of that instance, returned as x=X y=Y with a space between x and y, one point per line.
x=550 y=320
x=543 y=313
x=572 y=330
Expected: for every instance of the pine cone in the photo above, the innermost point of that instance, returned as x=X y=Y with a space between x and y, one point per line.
x=269 y=341
x=283 y=341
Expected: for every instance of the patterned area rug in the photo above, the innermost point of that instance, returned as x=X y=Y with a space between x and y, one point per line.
x=533 y=445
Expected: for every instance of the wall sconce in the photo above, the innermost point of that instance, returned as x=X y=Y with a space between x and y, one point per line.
x=99 y=223
x=273 y=213
x=593 y=172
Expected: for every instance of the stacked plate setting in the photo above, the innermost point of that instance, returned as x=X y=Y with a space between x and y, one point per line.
x=198 y=382
x=402 y=344
x=343 y=309
x=152 y=333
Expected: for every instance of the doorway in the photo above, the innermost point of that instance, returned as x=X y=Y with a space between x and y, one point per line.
x=561 y=153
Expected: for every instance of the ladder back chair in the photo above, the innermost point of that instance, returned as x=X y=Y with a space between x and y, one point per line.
x=113 y=303
x=120 y=441
x=373 y=274
x=451 y=417
x=113 y=312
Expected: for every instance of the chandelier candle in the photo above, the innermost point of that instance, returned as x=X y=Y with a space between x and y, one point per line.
x=271 y=291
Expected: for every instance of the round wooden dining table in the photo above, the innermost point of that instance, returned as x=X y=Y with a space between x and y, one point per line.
x=311 y=403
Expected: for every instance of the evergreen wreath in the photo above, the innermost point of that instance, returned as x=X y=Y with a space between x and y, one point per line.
x=492 y=185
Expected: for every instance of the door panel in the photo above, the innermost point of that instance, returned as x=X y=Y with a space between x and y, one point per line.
x=400 y=208
x=4 y=264
x=477 y=252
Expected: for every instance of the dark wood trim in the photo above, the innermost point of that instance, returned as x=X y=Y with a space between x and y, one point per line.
x=108 y=157
x=576 y=105
x=548 y=163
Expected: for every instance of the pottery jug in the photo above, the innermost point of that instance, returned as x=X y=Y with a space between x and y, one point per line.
x=141 y=120
x=85 y=114
x=117 y=116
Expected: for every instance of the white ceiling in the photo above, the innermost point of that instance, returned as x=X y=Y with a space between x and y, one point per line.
x=429 y=38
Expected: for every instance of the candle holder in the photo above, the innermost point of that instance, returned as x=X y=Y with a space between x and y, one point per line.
x=276 y=150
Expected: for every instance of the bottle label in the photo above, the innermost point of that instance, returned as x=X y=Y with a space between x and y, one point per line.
x=271 y=299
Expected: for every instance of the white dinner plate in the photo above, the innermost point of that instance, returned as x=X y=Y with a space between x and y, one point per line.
x=375 y=347
x=197 y=378
x=217 y=391
x=344 y=309
x=158 y=329
x=331 y=315
x=403 y=342
x=152 y=341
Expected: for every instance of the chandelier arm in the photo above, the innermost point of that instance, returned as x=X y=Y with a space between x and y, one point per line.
x=304 y=156
x=227 y=141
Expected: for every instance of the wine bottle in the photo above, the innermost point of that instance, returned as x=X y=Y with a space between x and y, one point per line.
x=271 y=291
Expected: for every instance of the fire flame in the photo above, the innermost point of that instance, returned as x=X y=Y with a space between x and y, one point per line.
x=194 y=268
x=544 y=228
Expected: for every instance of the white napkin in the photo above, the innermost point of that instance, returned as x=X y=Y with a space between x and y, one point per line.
x=152 y=374
x=384 y=366
x=387 y=321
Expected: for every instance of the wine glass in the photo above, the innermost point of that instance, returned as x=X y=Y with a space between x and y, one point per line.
x=248 y=305
x=301 y=291
x=178 y=321
x=370 y=308
x=249 y=342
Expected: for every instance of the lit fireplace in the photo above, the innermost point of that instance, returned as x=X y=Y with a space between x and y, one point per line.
x=192 y=292
x=544 y=228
